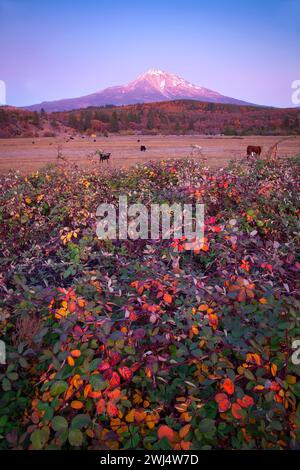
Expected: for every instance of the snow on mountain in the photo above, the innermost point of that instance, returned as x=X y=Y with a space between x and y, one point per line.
x=153 y=85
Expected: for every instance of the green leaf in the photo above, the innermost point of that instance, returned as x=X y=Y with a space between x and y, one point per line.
x=206 y=425
x=94 y=364
x=6 y=385
x=164 y=444
x=38 y=439
x=249 y=375
x=58 y=387
x=75 y=437
x=97 y=382
x=80 y=421
x=59 y=423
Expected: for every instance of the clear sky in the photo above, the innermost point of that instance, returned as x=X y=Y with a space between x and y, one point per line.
x=52 y=49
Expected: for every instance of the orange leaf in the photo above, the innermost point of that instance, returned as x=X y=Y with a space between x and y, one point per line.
x=273 y=369
x=77 y=405
x=130 y=416
x=184 y=431
x=71 y=361
x=71 y=306
x=228 y=386
x=165 y=431
x=213 y=320
x=76 y=353
x=95 y=394
x=185 y=445
x=152 y=419
x=87 y=390
x=114 y=394
x=253 y=358
x=140 y=415
x=168 y=298
x=186 y=416
x=203 y=308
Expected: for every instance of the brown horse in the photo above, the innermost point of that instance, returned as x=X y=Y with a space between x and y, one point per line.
x=252 y=149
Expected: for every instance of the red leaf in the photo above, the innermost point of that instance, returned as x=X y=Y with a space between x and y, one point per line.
x=125 y=372
x=112 y=410
x=165 y=431
x=245 y=401
x=100 y=406
x=220 y=397
x=104 y=366
x=115 y=380
x=115 y=357
x=236 y=411
x=228 y=386
x=223 y=402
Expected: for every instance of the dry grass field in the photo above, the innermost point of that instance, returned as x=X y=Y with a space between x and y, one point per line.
x=24 y=155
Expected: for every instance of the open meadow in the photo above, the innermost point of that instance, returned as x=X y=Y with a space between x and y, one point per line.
x=24 y=155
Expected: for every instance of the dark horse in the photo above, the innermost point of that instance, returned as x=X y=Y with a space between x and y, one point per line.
x=104 y=156
x=252 y=149
x=143 y=148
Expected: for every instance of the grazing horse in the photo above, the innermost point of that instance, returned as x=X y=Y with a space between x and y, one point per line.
x=104 y=156
x=253 y=150
x=143 y=148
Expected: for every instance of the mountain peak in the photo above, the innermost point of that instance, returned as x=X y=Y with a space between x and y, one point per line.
x=154 y=85
x=155 y=72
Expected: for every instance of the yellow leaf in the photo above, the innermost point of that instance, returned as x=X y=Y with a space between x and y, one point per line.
x=291 y=379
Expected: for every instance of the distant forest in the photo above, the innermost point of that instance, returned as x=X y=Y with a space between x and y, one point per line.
x=172 y=117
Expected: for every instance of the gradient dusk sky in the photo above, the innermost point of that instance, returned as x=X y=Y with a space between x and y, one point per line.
x=55 y=49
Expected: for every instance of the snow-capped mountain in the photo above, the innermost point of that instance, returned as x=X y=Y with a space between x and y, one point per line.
x=153 y=85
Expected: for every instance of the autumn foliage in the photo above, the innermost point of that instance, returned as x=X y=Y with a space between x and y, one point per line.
x=122 y=344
